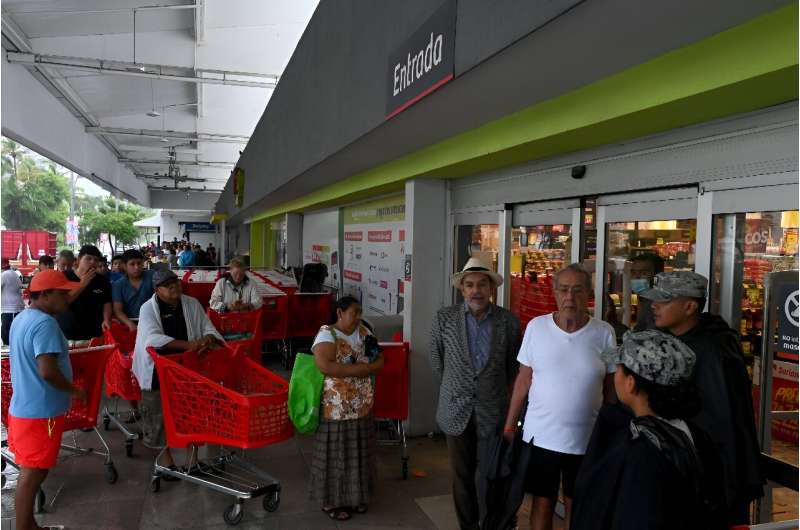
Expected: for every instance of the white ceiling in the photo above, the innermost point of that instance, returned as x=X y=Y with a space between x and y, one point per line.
x=252 y=36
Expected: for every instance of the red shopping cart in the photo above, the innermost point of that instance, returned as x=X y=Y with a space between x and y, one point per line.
x=88 y=365
x=307 y=312
x=199 y=284
x=223 y=398
x=241 y=328
x=275 y=317
x=391 y=399
x=121 y=384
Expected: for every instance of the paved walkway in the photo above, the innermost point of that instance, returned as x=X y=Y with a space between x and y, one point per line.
x=79 y=497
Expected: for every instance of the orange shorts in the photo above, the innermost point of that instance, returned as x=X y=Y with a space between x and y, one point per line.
x=35 y=442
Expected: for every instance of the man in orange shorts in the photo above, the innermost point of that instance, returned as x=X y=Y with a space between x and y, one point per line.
x=41 y=379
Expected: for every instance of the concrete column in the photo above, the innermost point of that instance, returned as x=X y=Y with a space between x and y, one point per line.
x=426 y=241
x=223 y=243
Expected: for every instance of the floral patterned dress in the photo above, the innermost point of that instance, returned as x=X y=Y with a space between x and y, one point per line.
x=347 y=398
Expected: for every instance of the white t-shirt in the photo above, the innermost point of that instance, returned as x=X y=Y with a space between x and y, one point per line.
x=354 y=339
x=567 y=388
x=11 y=293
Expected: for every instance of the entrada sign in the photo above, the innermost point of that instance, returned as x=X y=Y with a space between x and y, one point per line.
x=424 y=62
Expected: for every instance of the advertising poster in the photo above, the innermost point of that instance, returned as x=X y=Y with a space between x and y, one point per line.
x=374 y=260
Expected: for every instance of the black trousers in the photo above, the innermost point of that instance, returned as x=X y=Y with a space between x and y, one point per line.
x=7 y=318
x=463 y=452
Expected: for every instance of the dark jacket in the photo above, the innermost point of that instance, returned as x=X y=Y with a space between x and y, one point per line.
x=727 y=406
x=644 y=474
x=464 y=390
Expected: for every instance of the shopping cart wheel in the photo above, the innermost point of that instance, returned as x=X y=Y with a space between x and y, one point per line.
x=129 y=448
x=155 y=484
x=272 y=500
x=405 y=469
x=39 y=502
x=106 y=422
x=111 y=473
x=233 y=514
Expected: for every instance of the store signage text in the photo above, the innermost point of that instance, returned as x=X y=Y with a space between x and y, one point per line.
x=404 y=76
x=424 y=62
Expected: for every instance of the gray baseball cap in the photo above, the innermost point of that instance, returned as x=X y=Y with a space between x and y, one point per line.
x=162 y=276
x=654 y=355
x=670 y=285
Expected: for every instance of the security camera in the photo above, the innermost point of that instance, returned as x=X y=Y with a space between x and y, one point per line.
x=578 y=172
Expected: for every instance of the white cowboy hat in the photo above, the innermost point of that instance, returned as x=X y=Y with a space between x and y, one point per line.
x=476 y=265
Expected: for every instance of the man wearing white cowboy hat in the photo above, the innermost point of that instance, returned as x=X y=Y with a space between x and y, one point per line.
x=473 y=356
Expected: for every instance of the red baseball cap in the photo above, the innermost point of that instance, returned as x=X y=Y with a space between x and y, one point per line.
x=51 y=279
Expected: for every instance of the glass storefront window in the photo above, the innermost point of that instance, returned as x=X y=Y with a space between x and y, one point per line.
x=746 y=247
x=536 y=252
x=481 y=241
x=635 y=252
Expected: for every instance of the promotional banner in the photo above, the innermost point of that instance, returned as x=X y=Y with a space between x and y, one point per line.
x=72 y=232
x=375 y=255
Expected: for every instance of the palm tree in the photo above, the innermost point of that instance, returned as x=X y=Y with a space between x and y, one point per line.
x=11 y=151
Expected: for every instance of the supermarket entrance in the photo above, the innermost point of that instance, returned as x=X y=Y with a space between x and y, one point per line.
x=639 y=235
x=544 y=238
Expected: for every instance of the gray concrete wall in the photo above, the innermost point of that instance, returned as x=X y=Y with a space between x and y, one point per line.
x=426 y=221
x=325 y=120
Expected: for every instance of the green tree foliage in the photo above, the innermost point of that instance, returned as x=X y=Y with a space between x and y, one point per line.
x=33 y=197
x=113 y=218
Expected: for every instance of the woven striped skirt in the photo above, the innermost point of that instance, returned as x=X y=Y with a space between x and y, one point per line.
x=343 y=466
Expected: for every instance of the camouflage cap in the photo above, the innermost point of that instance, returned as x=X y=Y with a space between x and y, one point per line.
x=670 y=285
x=654 y=355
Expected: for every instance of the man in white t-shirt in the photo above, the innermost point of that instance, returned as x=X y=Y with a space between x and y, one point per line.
x=11 y=298
x=562 y=374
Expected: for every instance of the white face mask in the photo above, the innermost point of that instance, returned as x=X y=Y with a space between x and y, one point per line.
x=640 y=285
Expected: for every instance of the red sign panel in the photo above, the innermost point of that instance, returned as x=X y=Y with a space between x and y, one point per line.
x=350 y=275
x=354 y=236
x=379 y=236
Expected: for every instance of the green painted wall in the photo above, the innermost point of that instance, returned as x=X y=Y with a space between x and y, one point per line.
x=746 y=68
x=257 y=244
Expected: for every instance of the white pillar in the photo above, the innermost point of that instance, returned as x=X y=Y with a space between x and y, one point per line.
x=426 y=241
x=223 y=243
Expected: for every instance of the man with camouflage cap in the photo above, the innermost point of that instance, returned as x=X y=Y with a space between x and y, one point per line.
x=659 y=460
x=678 y=299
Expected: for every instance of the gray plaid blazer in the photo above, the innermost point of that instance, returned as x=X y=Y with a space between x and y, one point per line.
x=462 y=389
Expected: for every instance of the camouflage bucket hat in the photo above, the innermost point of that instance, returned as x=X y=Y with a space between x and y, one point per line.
x=670 y=285
x=654 y=355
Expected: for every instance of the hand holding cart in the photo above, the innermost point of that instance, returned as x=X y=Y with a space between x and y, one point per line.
x=222 y=397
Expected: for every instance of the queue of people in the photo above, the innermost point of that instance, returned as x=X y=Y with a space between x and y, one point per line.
x=73 y=305
x=626 y=432
x=658 y=432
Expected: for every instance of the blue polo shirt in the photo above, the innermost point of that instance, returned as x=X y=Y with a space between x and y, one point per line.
x=132 y=299
x=35 y=333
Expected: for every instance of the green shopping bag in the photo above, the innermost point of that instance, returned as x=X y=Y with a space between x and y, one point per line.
x=305 y=390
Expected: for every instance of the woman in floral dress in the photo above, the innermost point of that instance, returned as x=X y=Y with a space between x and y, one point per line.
x=343 y=466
